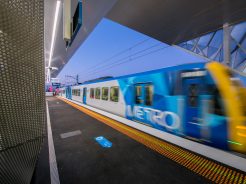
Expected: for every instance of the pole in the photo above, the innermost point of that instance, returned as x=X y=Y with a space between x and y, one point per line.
x=226 y=44
x=77 y=79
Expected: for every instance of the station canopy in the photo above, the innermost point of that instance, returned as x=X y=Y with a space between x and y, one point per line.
x=169 y=21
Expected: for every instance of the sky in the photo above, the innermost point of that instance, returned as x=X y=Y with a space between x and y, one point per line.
x=115 y=50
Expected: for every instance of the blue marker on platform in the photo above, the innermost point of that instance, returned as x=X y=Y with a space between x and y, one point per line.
x=103 y=142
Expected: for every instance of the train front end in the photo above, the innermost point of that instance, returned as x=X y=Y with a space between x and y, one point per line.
x=233 y=99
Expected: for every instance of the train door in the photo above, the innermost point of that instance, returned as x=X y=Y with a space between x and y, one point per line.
x=192 y=88
x=84 y=95
x=67 y=95
x=143 y=100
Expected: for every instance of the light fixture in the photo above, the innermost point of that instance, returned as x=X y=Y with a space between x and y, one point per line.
x=58 y=3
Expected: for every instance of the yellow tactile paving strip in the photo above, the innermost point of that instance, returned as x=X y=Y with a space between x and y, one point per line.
x=209 y=169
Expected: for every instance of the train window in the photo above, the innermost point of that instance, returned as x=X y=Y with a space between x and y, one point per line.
x=193 y=95
x=92 y=93
x=138 y=95
x=98 y=93
x=114 y=94
x=104 y=93
x=76 y=92
x=148 y=95
x=217 y=103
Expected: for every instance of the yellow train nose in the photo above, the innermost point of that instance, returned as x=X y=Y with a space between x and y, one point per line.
x=234 y=103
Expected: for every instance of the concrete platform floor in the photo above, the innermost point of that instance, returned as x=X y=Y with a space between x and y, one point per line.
x=80 y=159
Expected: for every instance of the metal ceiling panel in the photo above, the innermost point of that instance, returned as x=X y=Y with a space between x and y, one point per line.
x=175 y=21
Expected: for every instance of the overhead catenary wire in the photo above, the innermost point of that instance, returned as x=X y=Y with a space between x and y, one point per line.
x=116 y=62
x=122 y=59
x=116 y=55
x=132 y=59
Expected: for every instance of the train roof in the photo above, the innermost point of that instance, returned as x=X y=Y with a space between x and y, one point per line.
x=171 y=68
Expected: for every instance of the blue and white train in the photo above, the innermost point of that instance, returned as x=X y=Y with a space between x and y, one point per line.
x=202 y=102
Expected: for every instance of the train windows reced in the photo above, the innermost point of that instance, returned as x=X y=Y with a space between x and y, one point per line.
x=92 y=93
x=193 y=95
x=104 y=93
x=98 y=93
x=114 y=94
x=76 y=92
x=148 y=95
x=138 y=94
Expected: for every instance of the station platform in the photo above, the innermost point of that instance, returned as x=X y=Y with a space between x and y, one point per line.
x=134 y=157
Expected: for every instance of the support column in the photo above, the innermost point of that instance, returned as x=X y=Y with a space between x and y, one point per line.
x=226 y=44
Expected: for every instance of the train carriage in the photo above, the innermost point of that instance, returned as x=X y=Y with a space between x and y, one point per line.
x=202 y=102
x=62 y=92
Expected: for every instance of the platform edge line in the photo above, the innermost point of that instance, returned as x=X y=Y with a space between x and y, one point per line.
x=220 y=156
x=54 y=175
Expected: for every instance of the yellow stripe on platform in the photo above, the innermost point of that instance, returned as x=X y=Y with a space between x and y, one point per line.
x=209 y=169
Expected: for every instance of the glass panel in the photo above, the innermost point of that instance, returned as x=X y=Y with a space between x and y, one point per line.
x=104 y=93
x=238 y=31
x=205 y=39
x=193 y=95
x=217 y=39
x=138 y=95
x=98 y=93
x=238 y=83
x=148 y=95
x=92 y=93
x=218 y=107
x=114 y=94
